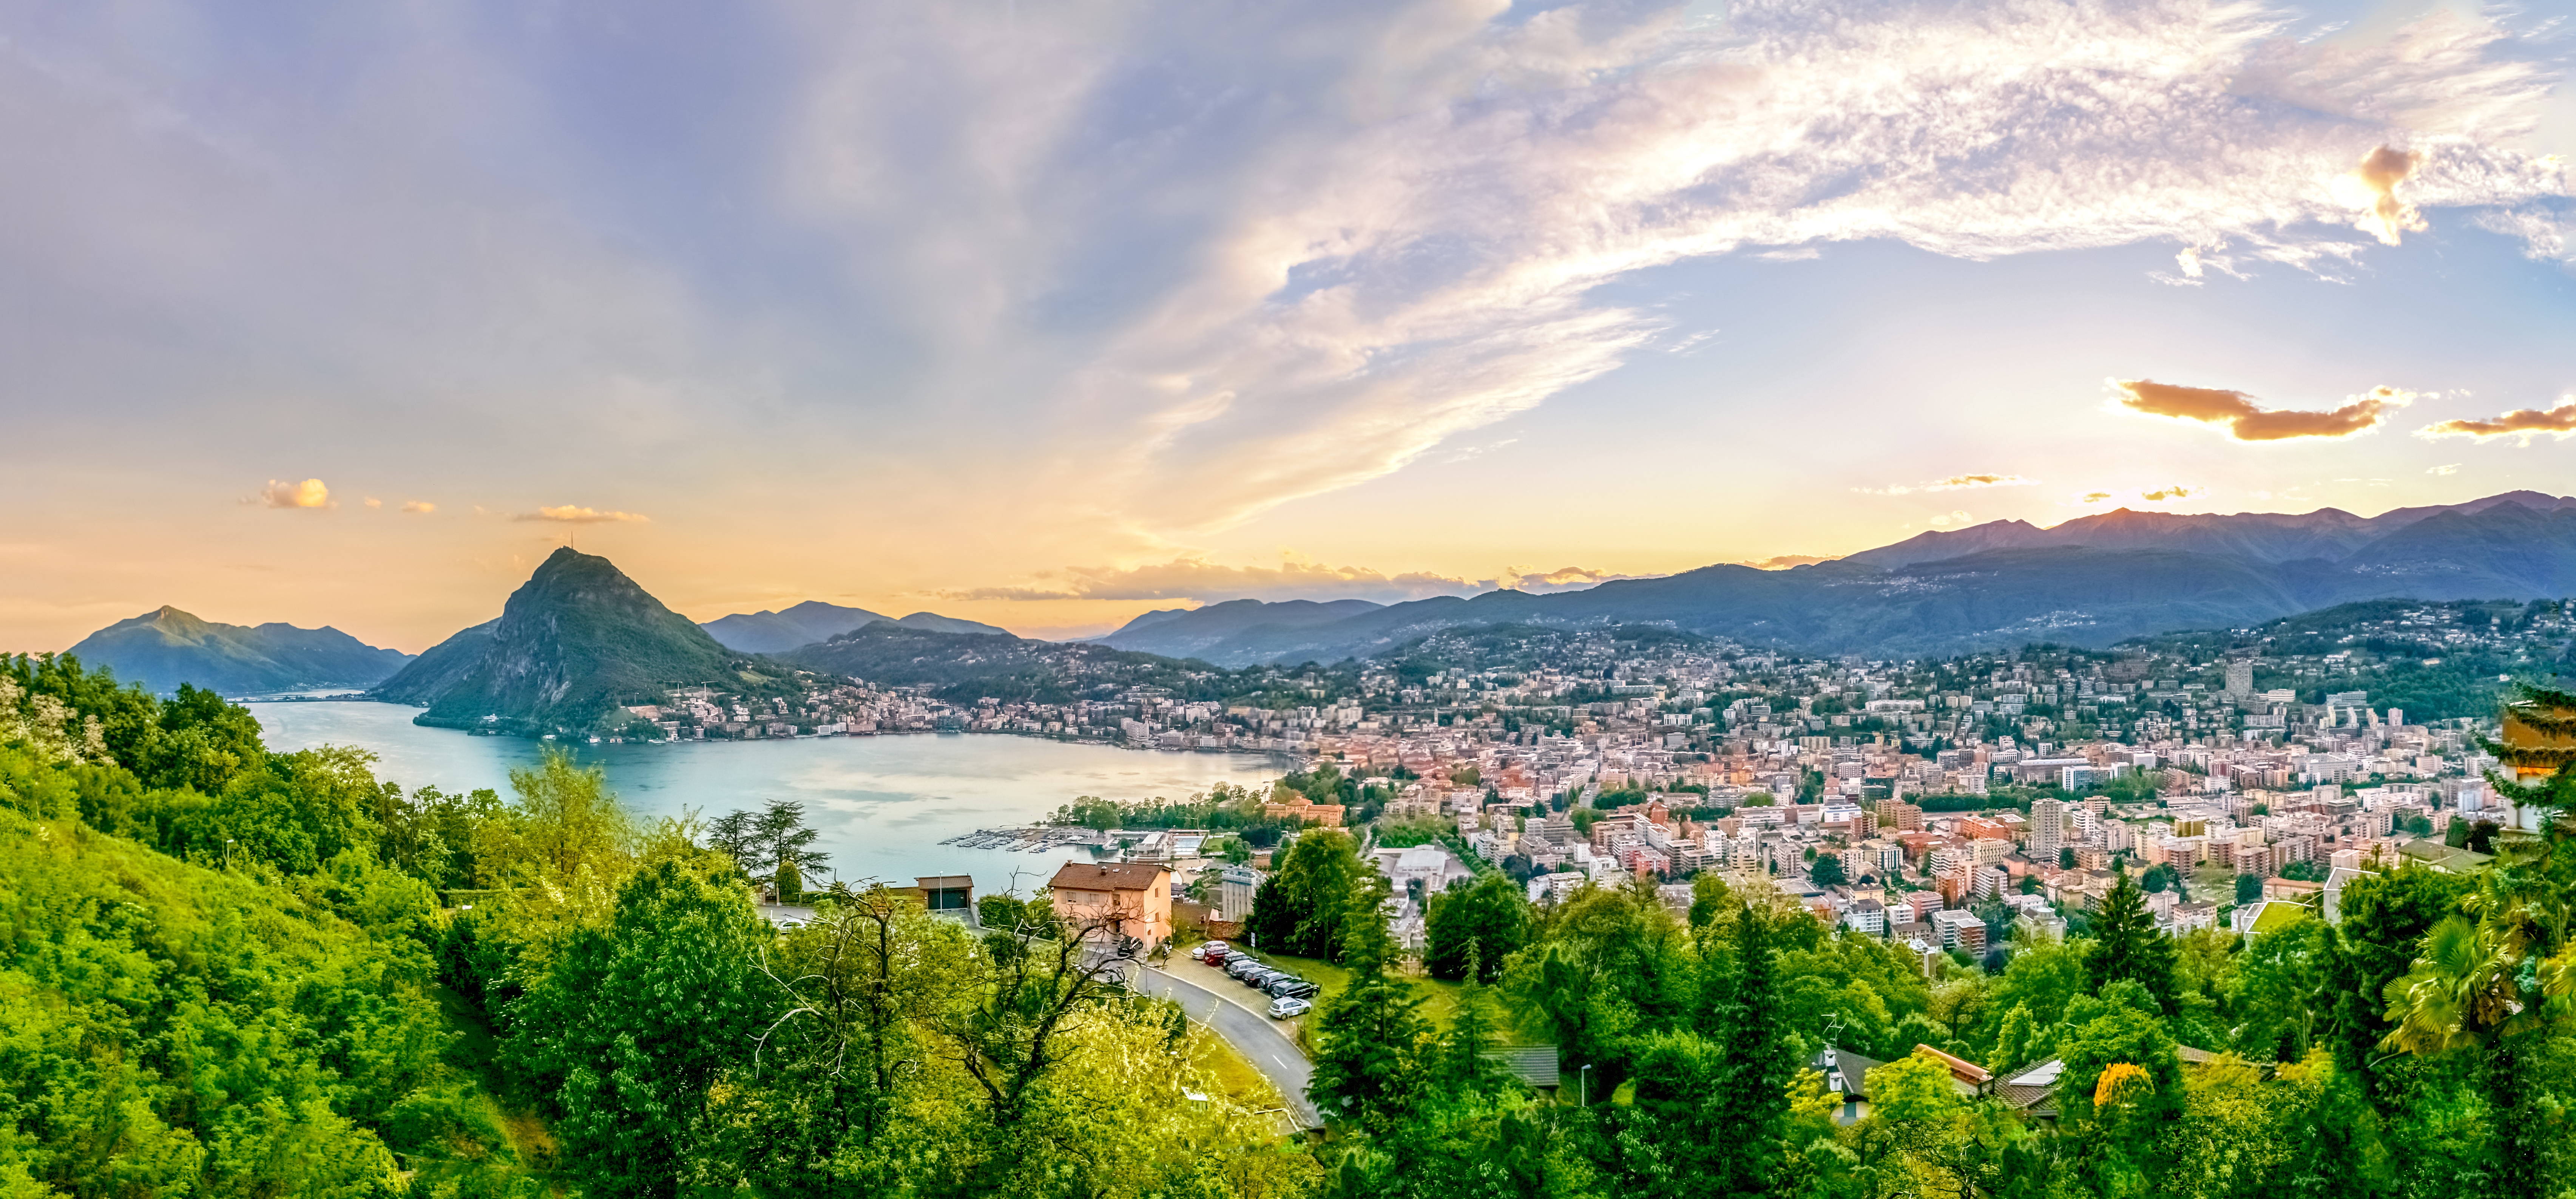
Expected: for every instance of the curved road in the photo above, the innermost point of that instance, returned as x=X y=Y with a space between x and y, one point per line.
x=1256 y=1038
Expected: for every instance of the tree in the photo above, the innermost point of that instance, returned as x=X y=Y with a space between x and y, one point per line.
x=2249 y=888
x=1305 y=905
x=1827 y=871
x=2384 y=918
x=1750 y=1097
x=641 y=1019
x=2126 y=945
x=1370 y=1051
x=857 y=984
x=1475 y=927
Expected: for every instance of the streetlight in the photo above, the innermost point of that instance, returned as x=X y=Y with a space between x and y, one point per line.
x=1583 y=1086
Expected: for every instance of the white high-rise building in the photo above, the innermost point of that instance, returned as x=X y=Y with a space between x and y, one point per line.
x=2240 y=676
x=2047 y=830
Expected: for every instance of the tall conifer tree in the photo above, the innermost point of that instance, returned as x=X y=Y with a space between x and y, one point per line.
x=2127 y=945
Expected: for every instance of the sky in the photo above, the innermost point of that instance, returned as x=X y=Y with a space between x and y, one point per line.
x=1049 y=314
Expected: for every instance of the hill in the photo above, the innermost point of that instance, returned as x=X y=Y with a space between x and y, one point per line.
x=2089 y=582
x=573 y=642
x=814 y=621
x=1183 y=632
x=166 y=647
x=803 y=624
x=964 y=667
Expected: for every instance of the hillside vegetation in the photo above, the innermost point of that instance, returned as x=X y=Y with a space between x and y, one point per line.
x=229 y=972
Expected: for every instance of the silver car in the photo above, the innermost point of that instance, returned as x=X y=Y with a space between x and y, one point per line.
x=1285 y=1007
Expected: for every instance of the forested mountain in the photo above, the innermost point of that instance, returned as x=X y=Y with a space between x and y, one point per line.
x=1186 y=632
x=166 y=647
x=575 y=640
x=2089 y=582
x=964 y=667
x=814 y=621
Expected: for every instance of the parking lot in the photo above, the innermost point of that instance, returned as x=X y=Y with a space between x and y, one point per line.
x=1214 y=979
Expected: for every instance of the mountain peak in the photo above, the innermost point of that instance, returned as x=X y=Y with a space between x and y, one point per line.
x=573 y=642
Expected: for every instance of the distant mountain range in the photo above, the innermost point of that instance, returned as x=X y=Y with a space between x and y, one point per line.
x=577 y=639
x=166 y=647
x=814 y=621
x=2092 y=581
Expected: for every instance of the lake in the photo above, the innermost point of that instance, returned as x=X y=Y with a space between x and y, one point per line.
x=883 y=804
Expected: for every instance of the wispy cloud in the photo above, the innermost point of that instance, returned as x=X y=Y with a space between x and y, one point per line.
x=1952 y=520
x=568 y=514
x=2246 y=420
x=2447 y=468
x=1953 y=483
x=1205 y=581
x=423 y=507
x=2525 y=423
x=1434 y=267
x=282 y=494
x=1785 y=561
x=2161 y=494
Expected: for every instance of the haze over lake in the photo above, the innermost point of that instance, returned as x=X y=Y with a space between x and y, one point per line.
x=883 y=804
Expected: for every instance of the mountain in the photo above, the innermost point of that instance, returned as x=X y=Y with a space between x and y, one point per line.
x=164 y=648
x=936 y=623
x=575 y=640
x=1185 y=632
x=2092 y=581
x=814 y=621
x=804 y=624
x=964 y=667
x=2327 y=533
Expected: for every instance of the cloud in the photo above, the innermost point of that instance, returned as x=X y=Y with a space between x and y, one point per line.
x=2447 y=468
x=1209 y=582
x=2372 y=188
x=1785 y=561
x=568 y=514
x=423 y=507
x=373 y=502
x=1436 y=266
x=1953 y=483
x=2095 y=497
x=307 y=494
x=1953 y=520
x=2248 y=421
x=2162 y=494
x=2525 y=423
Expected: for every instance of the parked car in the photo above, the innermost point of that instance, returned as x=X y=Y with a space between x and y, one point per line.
x=1210 y=952
x=1231 y=957
x=1291 y=988
x=1242 y=967
x=1284 y=1008
x=1260 y=977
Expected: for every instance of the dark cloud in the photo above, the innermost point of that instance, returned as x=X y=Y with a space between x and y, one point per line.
x=2246 y=420
x=2526 y=423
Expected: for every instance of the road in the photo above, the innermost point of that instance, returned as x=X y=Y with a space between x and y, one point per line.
x=1252 y=1035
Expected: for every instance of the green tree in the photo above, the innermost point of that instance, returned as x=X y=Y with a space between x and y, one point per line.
x=1304 y=907
x=1827 y=871
x=1371 y=1056
x=641 y=1018
x=1750 y=1089
x=2127 y=945
x=2249 y=888
x=1475 y=927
